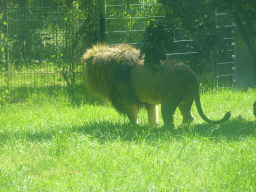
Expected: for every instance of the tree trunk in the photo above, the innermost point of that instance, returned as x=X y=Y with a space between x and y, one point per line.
x=248 y=39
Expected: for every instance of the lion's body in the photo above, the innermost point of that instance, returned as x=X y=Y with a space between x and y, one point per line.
x=151 y=87
x=119 y=76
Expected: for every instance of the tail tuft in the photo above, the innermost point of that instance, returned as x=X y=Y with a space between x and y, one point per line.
x=226 y=117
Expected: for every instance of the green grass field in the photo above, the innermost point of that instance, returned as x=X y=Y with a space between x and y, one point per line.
x=54 y=146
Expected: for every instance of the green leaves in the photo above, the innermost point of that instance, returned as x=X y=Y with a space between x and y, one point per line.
x=158 y=39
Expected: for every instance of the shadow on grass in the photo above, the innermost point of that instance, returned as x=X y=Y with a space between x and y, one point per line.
x=235 y=129
x=77 y=94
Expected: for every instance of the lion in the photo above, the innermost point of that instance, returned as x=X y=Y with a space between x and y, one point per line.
x=117 y=74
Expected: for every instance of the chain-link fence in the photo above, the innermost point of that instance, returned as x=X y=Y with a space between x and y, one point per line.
x=42 y=41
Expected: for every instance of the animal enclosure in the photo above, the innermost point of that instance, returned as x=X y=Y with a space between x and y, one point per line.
x=42 y=42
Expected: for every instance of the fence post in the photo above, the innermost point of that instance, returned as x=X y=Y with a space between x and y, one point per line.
x=6 y=49
x=5 y=73
x=102 y=20
x=215 y=72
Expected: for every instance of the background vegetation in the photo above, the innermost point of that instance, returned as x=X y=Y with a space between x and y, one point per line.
x=192 y=14
x=45 y=40
x=42 y=42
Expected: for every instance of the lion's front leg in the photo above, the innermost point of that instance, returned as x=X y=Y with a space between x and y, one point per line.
x=152 y=114
x=132 y=113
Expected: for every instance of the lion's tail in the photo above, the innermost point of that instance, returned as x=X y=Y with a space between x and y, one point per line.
x=201 y=113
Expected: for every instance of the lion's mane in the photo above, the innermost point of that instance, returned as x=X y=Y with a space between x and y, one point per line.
x=107 y=74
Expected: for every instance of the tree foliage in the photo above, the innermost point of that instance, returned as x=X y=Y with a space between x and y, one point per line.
x=54 y=30
x=50 y=30
x=54 y=34
x=192 y=14
x=157 y=41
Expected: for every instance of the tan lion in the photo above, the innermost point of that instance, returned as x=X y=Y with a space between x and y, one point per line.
x=117 y=74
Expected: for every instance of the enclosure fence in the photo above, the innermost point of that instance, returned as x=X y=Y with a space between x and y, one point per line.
x=225 y=60
x=42 y=41
x=127 y=20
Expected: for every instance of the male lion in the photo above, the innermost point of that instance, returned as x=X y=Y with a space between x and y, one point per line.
x=117 y=74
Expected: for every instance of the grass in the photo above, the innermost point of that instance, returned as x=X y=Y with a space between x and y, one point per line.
x=54 y=146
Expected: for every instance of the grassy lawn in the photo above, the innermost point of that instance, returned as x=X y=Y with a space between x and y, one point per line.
x=54 y=146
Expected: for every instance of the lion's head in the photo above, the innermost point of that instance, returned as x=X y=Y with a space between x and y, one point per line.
x=107 y=73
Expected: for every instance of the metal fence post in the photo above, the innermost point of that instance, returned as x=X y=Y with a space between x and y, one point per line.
x=102 y=20
x=6 y=36
x=6 y=48
x=215 y=72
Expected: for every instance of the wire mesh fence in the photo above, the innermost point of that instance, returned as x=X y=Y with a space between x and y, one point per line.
x=126 y=20
x=42 y=41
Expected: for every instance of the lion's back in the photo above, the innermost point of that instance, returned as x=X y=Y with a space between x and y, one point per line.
x=122 y=54
x=171 y=77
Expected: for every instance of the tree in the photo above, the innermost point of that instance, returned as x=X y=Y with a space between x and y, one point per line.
x=193 y=13
x=157 y=40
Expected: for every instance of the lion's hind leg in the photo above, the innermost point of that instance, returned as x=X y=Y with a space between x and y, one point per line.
x=185 y=109
x=168 y=107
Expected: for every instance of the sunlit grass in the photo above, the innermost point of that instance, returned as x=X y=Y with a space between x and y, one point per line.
x=55 y=146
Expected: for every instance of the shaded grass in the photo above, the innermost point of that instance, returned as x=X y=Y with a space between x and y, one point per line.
x=54 y=146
